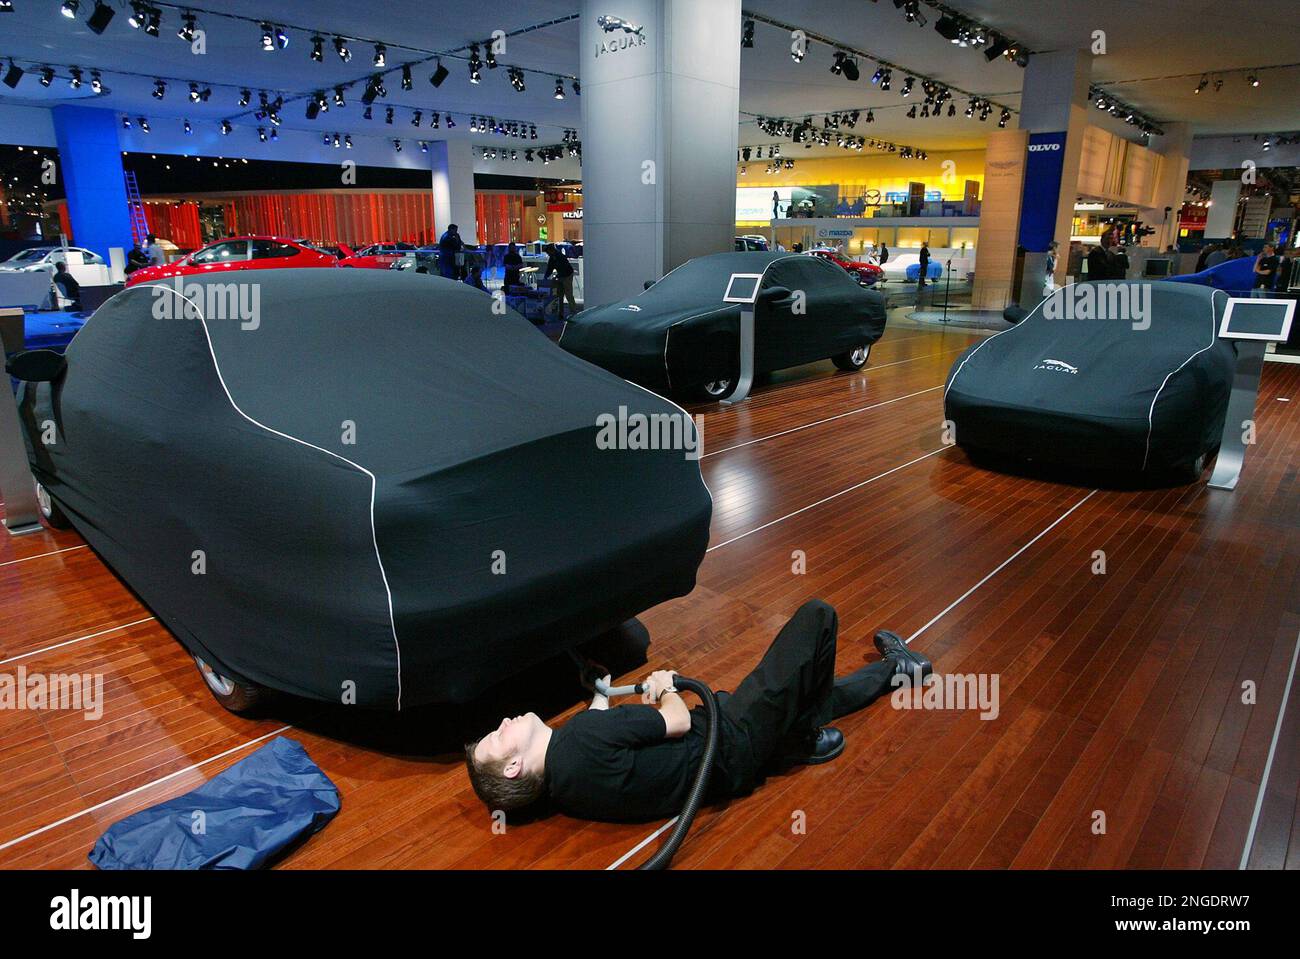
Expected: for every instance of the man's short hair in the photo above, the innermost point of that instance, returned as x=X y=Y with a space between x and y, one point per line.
x=495 y=789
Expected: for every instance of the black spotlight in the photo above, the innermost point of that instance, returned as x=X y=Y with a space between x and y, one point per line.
x=313 y=107
x=317 y=48
x=341 y=48
x=406 y=76
x=188 y=26
x=947 y=27
x=850 y=69
x=69 y=9
x=100 y=17
x=747 y=34
x=838 y=66
x=997 y=46
x=47 y=76
x=153 y=26
x=439 y=74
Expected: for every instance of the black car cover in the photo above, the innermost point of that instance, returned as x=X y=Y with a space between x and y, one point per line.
x=1123 y=376
x=680 y=334
x=377 y=490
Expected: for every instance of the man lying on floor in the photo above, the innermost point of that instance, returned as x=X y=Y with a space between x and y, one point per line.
x=637 y=762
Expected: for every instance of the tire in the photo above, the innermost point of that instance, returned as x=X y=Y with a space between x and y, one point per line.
x=51 y=512
x=717 y=389
x=853 y=360
x=237 y=695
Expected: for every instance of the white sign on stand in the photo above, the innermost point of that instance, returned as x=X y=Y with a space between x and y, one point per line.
x=743 y=288
x=1253 y=323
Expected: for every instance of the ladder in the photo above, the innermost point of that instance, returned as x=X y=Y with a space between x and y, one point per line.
x=135 y=209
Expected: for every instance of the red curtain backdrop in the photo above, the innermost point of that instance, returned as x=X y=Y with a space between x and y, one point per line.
x=500 y=217
x=178 y=222
x=356 y=219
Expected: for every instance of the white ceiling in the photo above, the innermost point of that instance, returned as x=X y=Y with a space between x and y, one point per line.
x=1145 y=39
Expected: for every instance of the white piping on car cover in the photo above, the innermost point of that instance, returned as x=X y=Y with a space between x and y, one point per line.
x=374 y=536
x=1151 y=412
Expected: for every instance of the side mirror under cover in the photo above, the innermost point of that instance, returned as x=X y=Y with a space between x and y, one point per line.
x=36 y=366
x=772 y=294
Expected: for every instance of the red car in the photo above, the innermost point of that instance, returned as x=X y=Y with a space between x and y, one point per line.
x=867 y=274
x=377 y=256
x=238 y=253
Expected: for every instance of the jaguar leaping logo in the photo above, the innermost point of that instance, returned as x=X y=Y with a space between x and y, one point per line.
x=1057 y=366
x=631 y=306
x=614 y=24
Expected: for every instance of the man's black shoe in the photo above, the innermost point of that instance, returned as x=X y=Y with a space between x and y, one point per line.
x=825 y=746
x=905 y=659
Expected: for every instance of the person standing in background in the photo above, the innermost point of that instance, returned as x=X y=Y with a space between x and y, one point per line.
x=1266 y=265
x=513 y=263
x=924 y=261
x=449 y=245
x=157 y=255
x=559 y=266
x=1049 y=281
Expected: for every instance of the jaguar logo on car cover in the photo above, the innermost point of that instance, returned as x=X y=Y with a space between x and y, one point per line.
x=631 y=306
x=629 y=34
x=1057 y=366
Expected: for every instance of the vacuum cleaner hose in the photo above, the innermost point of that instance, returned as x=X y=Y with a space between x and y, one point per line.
x=664 y=856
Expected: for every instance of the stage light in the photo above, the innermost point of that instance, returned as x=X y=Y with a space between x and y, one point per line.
x=69 y=9
x=139 y=14
x=886 y=80
x=74 y=81
x=226 y=128
x=559 y=89
x=6 y=6
x=318 y=48
x=1253 y=80
x=388 y=116
x=194 y=93
x=837 y=66
x=100 y=17
x=1004 y=117
x=907 y=86
x=341 y=48
x=338 y=97
x=144 y=124
x=397 y=145
x=159 y=89
x=47 y=76
x=406 y=76
x=261 y=134
x=475 y=64
x=747 y=34
x=187 y=128
x=381 y=55
x=153 y=25
x=911 y=114
x=439 y=74
x=126 y=123
x=281 y=38
x=186 y=32
x=424 y=147
x=275 y=134
x=416 y=118
x=1205 y=82
x=577 y=88
x=347 y=141
x=850 y=69
x=268 y=38
x=491 y=57
x=948 y=27
x=244 y=97
x=871 y=117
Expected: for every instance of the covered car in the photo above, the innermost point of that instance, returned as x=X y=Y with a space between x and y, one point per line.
x=1236 y=276
x=679 y=335
x=1124 y=377
x=375 y=490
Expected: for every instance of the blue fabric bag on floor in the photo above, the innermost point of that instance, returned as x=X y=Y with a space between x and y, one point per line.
x=239 y=819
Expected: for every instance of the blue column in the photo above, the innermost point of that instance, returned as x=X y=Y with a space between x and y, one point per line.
x=90 y=163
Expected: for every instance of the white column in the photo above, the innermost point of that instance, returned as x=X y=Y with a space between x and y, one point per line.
x=452 y=162
x=1222 y=218
x=660 y=106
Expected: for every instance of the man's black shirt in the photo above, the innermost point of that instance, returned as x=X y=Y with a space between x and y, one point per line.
x=617 y=764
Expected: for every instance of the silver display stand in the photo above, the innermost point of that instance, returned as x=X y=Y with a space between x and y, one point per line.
x=743 y=288
x=22 y=514
x=1253 y=324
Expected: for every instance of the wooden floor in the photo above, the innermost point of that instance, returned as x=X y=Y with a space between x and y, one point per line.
x=1121 y=693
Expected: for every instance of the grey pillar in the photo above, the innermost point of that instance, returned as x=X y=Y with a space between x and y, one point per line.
x=660 y=105
x=452 y=163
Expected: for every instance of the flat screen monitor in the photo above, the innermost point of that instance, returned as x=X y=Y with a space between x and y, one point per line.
x=743 y=288
x=1257 y=319
x=1158 y=266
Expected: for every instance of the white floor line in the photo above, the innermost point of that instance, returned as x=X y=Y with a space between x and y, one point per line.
x=958 y=601
x=26 y=559
x=641 y=845
x=796 y=429
x=827 y=499
x=951 y=606
x=1268 y=764
x=71 y=642
x=139 y=789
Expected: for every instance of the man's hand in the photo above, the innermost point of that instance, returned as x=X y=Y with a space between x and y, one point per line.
x=656 y=685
